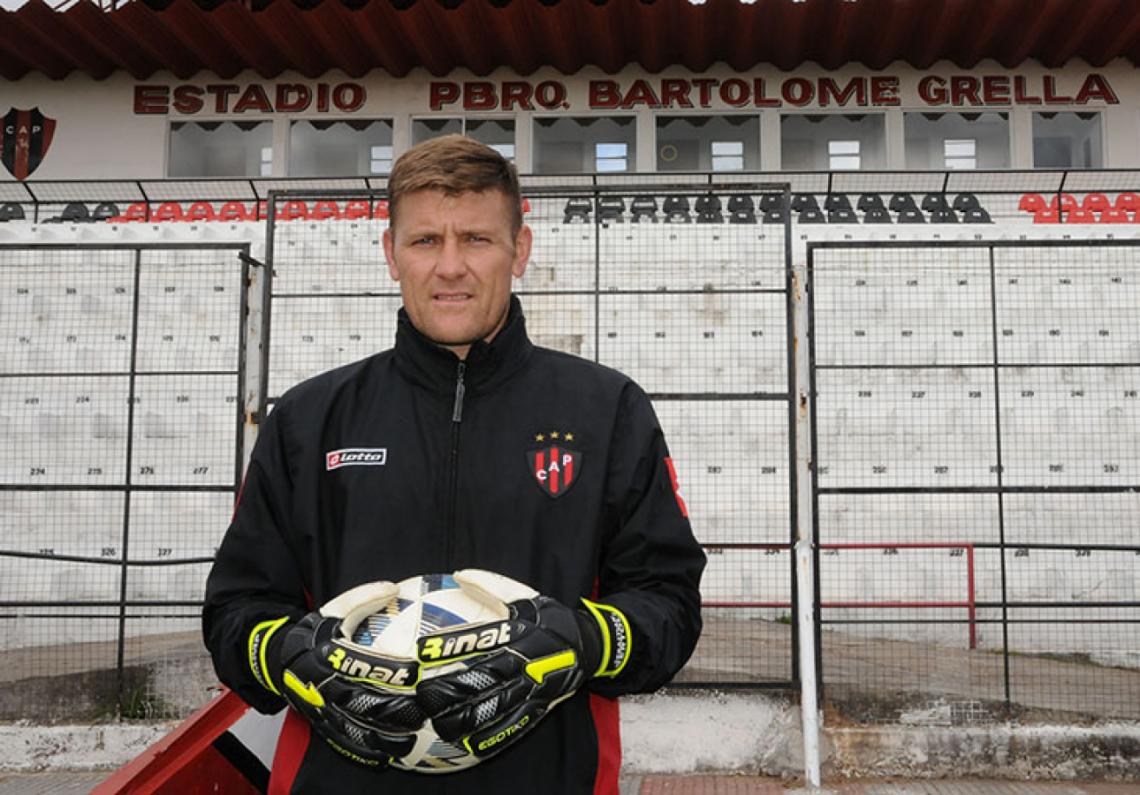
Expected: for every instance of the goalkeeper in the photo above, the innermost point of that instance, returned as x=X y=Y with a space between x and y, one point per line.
x=464 y=446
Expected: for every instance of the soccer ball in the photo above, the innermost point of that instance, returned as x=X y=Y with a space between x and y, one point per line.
x=425 y=605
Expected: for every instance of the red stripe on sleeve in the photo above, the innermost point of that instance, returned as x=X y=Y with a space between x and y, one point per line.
x=554 y=470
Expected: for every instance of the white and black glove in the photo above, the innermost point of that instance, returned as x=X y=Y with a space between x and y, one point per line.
x=360 y=703
x=523 y=667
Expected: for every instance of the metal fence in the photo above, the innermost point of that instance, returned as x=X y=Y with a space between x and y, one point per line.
x=121 y=415
x=978 y=468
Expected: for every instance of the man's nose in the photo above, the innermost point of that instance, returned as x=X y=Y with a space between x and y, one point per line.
x=452 y=262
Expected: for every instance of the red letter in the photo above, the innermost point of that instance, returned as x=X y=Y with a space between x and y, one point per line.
x=516 y=92
x=675 y=93
x=604 y=94
x=151 y=99
x=551 y=94
x=964 y=89
x=705 y=86
x=640 y=93
x=1051 y=95
x=798 y=91
x=855 y=86
x=253 y=98
x=221 y=94
x=932 y=90
x=348 y=97
x=322 y=97
x=287 y=105
x=759 y=99
x=479 y=95
x=734 y=92
x=440 y=94
x=1096 y=87
x=188 y=99
x=1019 y=93
x=995 y=90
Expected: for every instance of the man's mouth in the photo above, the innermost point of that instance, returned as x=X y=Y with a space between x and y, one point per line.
x=452 y=297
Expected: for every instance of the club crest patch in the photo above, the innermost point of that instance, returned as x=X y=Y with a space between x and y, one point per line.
x=555 y=467
x=25 y=137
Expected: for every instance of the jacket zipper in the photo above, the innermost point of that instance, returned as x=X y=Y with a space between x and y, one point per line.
x=453 y=476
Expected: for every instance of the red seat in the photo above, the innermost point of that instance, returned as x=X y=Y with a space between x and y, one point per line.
x=293 y=211
x=1080 y=217
x=356 y=209
x=135 y=212
x=200 y=211
x=1128 y=201
x=1045 y=216
x=1115 y=217
x=1068 y=202
x=1096 y=202
x=167 y=211
x=324 y=210
x=234 y=211
x=1031 y=202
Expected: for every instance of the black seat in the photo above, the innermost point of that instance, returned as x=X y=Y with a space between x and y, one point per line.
x=577 y=209
x=966 y=201
x=902 y=201
x=643 y=207
x=741 y=210
x=877 y=215
x=911 y=215
x=775 y=216
x=935 y=201
x=75 y=213
x=842 y=216
x=770 y=201
x=836 y=202
x=12 y=212
x=105 y=211
x=943 y=215
x=812 y=215
x=676 y=210
x=976 y=215
x=804 y=201
x=708 y=209
x=611 y=208
x=871 y=201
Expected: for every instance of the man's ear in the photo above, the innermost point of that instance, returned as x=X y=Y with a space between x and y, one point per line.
x=523 y=241
x=390 y=254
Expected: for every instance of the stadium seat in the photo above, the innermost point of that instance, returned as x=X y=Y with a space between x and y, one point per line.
x=804 y=201
x=812 y=215
x=1128 y=201
x=676 y=210
x=1068 y=202
x=932 y=202
x=770 y=201
x=943 y=215
x=1096 y=202
x=11 y=212
x=877 y=215
x=708 y=209
x=741 y=210
x=871 y=201
x=610 y=208
x=835 y=202
x=900 y=202
x=577 y=209
x=842 y=215
x=1045 y=215
x=1032 y=202
x=911 y=215
x=976 y=215
x=74 y=213
x=1079 y=216
x=105 y=211
x=643 y=207
x=1115 y=217
x=774 y=216
x=965 y=201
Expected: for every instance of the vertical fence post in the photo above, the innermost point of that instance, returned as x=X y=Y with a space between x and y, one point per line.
x=804 y=513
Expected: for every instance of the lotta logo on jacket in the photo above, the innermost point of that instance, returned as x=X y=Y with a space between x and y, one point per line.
x=555 y=467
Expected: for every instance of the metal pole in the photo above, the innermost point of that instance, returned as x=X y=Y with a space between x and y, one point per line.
x=805 y=519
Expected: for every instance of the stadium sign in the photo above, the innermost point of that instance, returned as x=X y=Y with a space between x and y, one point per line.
x=222 y=98
x=798 y=92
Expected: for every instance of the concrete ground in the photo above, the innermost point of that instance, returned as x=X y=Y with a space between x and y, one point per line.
x=82 y=782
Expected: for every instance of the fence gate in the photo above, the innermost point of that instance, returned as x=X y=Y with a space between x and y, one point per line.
x=120 y=412
x=627 y=275
x=978 y=478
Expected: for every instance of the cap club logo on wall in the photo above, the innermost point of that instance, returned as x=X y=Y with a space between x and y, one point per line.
x=25 y=137
x=555 y=467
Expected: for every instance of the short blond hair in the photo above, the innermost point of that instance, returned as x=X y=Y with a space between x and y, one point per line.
x=454 y=164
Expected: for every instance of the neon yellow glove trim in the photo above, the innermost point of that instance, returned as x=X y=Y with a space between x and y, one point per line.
x=258 y=643
x=538 y=669
x=307 y=691
x=612 y=622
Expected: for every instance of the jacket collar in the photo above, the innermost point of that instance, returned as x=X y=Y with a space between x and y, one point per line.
x=427 y=364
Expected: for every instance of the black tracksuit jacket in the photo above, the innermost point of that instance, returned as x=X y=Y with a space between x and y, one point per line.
x=459 y=487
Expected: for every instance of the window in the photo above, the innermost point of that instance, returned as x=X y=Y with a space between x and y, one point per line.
x=708 y=143
x=843 y=155
x=581 y=145
x=940 y=141
x=960 y=153
x=821 y=142
x=499 y=134
x=1067 y=140
x=342 y=148
x=220 y=149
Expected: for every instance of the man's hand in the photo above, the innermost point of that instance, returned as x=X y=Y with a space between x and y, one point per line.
x=539 y=657
x=362 y=704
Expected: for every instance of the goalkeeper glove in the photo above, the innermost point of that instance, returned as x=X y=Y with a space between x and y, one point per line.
x=360 y=703
x=545 y=652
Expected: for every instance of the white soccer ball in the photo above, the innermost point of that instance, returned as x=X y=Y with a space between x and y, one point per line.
x=425 y=605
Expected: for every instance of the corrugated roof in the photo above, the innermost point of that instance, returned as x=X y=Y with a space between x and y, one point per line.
x=272 y=36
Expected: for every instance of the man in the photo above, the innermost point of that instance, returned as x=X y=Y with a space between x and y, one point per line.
x=484 y=452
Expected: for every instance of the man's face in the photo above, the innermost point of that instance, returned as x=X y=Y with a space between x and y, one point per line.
x=454 y=257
